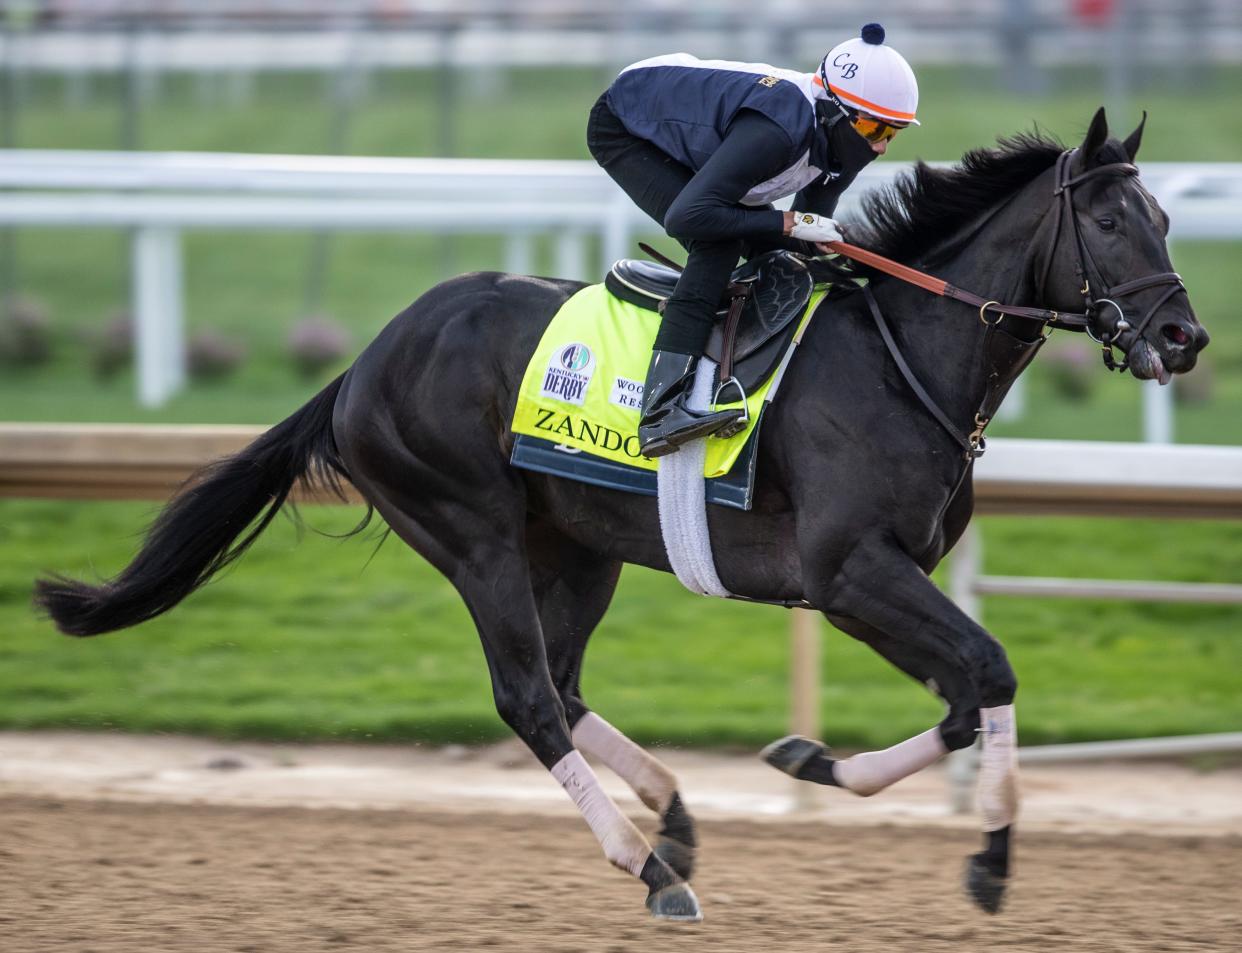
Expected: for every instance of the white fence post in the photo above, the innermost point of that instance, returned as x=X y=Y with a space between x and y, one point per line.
x=964 y=568
x=520 y=253
x=615 y=235
x=571 y=255
x=804 y=661
x=1157 y=412
x=159 y=343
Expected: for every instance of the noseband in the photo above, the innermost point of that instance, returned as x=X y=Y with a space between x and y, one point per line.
x=1106 y=334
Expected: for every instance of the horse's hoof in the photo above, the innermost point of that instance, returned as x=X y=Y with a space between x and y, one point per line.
x=790 y=753
x=677 y=842
x=675 y=902
x=986 y=888
x=677 y=855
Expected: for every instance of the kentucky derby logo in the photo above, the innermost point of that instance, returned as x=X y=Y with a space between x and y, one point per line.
x=575 y=357
x=568 y=374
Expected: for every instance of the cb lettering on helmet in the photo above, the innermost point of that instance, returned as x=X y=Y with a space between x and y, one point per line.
x=847 y=68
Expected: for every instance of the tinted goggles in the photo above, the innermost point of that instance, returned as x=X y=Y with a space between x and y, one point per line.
x=873 y=129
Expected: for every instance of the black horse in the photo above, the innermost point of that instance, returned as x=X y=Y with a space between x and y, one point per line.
x=860 y=491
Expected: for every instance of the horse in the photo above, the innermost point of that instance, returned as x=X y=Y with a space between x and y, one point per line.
x=863 y=483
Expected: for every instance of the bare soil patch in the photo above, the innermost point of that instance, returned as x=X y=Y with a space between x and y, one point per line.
x=108 y=876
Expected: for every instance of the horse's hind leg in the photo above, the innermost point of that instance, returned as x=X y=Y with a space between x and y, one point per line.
x=883 y=598
x=479 y=545
x=573 y=588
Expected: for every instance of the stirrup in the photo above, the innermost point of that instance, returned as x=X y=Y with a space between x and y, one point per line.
x=693 y=427
x=742 y=422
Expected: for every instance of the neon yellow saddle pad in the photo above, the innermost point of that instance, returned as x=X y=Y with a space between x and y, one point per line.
x=583 y=387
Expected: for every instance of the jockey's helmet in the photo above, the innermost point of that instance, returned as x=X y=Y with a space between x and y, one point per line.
x=867 y=76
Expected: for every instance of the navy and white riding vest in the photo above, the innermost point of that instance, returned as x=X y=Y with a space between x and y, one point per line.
x=684 y=105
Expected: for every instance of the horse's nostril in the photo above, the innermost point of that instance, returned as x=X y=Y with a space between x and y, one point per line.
x=1176 y=333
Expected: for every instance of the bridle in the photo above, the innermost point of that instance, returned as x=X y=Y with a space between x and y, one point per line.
x=1104 y=334
x=1090 y=319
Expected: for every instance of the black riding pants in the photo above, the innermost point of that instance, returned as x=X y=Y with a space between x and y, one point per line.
x=654 y=180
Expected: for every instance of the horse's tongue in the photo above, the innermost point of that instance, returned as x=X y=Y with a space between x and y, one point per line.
x=1163 y=375
x=1146 y=364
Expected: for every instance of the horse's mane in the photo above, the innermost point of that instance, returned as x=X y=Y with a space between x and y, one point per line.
x=925 y=206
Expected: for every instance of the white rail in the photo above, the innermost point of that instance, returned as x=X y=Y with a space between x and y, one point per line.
x=1135 y=748
x=159 y=195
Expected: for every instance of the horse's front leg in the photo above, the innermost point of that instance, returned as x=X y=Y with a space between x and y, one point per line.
x=880 y=596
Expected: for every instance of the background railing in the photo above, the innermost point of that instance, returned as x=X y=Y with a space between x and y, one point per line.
x=273 y=35
x=158 y=196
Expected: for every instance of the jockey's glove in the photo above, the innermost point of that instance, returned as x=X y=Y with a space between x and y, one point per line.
x=809 y=227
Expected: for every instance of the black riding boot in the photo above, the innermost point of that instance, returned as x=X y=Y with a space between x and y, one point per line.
x=666 y=422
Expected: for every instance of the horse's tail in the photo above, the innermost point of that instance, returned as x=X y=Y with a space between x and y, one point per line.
x=195 y=535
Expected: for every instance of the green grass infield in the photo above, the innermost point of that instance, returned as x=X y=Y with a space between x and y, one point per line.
x=311 y=638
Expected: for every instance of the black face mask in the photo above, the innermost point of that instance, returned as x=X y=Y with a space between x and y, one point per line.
x=853 y=149
x=848 y=152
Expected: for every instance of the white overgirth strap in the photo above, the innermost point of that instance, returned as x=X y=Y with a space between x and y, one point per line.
x=998 y=767
x=682 y=501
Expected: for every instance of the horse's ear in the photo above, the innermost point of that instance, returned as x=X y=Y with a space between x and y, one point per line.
x=1132 y=141
x=1096 y=135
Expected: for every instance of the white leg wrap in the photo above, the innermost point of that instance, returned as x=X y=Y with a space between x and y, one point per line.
x=623 y=844
x=873 y=771
x=652 y=782
x=998 y=767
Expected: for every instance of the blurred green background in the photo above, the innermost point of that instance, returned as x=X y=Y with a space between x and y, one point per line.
x=312 y=638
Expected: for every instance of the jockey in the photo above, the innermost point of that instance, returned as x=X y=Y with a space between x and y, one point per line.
x=704 y=147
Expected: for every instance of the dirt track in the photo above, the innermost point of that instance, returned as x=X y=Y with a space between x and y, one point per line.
x=108 y=876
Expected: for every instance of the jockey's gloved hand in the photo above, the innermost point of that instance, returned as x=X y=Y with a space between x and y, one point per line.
x=809 y=227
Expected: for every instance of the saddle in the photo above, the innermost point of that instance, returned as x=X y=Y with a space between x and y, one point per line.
x=755 y=322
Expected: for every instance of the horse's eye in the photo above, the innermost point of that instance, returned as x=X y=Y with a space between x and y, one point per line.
x=1106 y=224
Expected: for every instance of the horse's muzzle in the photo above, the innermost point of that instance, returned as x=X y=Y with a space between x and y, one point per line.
x=1171 y=346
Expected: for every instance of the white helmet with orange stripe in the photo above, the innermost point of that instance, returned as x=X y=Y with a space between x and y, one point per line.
x=867 y=76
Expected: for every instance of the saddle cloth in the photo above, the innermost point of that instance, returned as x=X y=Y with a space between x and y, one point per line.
x=579 y=402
